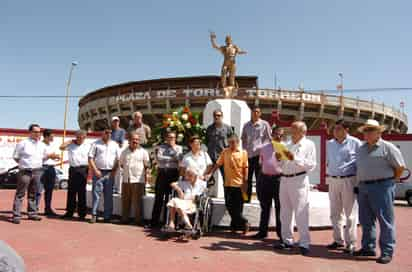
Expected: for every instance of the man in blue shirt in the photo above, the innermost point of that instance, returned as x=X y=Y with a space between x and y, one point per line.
x=341 y=177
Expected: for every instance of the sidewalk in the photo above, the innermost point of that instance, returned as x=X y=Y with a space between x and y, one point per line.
x=58 y=245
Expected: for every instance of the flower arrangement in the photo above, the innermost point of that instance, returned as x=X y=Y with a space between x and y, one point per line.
x=183 y=122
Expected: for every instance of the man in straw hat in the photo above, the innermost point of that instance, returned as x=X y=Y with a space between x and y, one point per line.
x=379 y=165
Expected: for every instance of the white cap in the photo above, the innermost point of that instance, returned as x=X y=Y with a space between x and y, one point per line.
x=115 y=118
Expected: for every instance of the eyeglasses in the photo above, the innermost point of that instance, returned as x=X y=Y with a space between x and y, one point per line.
x=218 y=115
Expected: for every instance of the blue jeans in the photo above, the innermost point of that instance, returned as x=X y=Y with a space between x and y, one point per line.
x=376 y=203
x=103 y=185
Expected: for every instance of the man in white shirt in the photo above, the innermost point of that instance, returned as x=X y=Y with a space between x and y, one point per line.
x=48 y=179
x=102 y=156
x=29 y=154
x=294 y=187
x=134 y=161
x=78 y=152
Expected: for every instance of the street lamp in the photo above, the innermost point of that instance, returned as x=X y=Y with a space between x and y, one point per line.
x=74 y=64
x=341 y=83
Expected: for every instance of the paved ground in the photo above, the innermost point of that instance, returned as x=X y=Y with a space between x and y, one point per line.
x=57 y=245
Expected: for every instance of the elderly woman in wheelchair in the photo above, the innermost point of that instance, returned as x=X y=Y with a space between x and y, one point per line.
x=188 y=191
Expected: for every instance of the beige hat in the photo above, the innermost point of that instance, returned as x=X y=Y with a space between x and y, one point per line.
x=371 y=123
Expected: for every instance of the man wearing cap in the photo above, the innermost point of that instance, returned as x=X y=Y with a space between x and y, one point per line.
x=78 y=151
x=341 y=177
x=294 y=187
x=255 y=134
x=267 y=187
x=142 y=129
x=118 y=134
x=29 y=154
x=102 y=156
x=379 y=165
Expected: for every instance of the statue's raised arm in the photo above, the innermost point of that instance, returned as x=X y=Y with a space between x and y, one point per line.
x=213 y=41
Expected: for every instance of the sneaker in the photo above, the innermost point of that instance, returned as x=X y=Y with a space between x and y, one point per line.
x=364 y=253
x=93 y=219
x=349 y=249
x=259 y=236
x=384 y=259
x=16 y=220
x=35 y=218
x=335 y=245
x=304 y=251
x=283 y=246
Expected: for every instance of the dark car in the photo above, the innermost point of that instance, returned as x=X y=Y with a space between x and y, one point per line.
x=8 y=179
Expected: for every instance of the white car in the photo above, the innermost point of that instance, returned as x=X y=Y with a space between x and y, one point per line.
x=403 y=190
x=62 y=180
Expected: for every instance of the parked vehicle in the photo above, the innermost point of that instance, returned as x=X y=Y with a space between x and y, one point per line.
x=8 y=179
x=403 y=190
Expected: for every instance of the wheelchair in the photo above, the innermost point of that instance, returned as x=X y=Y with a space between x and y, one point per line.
x=201 y=219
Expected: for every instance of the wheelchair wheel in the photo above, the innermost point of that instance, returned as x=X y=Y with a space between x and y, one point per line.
x=207 y=216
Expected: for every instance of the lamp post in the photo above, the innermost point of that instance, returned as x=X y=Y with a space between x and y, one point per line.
x=74 y=64
x=341 y=83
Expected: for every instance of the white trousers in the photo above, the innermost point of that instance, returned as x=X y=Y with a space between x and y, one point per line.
x=294 y=202
x=343 y=204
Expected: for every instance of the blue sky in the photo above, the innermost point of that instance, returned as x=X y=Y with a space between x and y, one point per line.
x=117 y=41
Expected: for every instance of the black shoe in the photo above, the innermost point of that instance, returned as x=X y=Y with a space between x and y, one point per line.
x=384 y=259
x=335 y=245
x=259 y=236
x=364 y=253
x=51 y=214
x=16 y=220
x=67 y=216
x=246 y=228
x=304 y=251
x=93 y=219
x=283 y=246
x=35 y=218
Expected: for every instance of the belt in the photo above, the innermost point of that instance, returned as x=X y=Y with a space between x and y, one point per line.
x=106 y=170
x=30 y=170
x=80 y=166
x=373 y=181
x=340 y=177
x=48 y=165
x=294 y=175
x=272 y=176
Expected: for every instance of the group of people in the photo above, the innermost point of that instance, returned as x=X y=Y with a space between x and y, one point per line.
x=361 y=177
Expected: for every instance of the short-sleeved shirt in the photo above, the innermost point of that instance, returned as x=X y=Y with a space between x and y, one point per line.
x=50 y=149
x=341 y=157
x=133 y=163
x=30 y=154
x=78 y=154
x=234 y=164
x=189 y=190
x=254 y=136
x=199 y=162
x=118 y=135
x=167 y=156
x=144 y=132
x=378 y=161
x=216 y=138
x=104 y=154
x=267 y=159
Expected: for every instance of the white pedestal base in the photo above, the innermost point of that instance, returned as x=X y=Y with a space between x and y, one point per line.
x=235 y=113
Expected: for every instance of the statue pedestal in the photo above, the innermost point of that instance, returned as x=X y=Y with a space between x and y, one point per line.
x=235 y=113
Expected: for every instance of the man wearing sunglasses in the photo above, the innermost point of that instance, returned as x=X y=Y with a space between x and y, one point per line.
x=29 y=154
